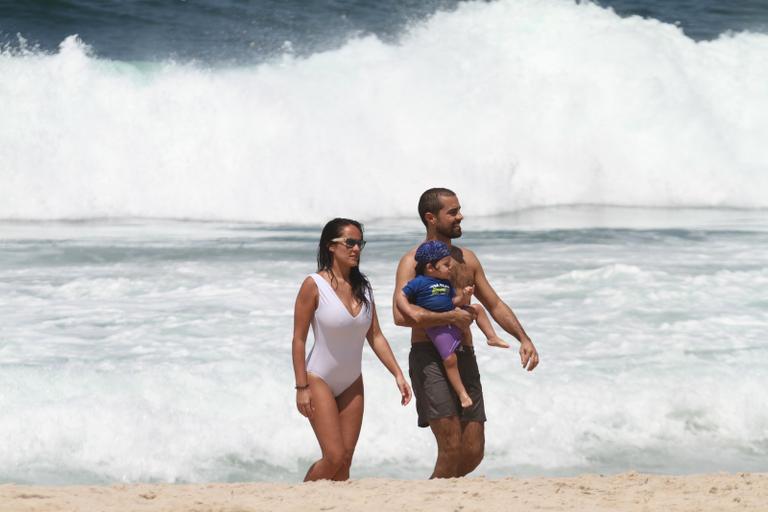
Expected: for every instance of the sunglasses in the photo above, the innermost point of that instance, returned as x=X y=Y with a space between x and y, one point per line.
x=350 y=242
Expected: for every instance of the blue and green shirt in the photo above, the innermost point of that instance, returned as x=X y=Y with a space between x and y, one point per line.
x=430 y=293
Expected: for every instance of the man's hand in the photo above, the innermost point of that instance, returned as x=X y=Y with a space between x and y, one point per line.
x=463 y=318
x=528 y=355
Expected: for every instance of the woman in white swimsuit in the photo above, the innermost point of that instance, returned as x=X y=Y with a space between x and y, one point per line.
x=338 y=303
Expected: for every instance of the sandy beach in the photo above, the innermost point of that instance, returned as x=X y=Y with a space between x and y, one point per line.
x=624 y=492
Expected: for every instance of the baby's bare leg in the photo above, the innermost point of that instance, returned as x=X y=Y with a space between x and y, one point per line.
x=484 y=323
x=452 y=371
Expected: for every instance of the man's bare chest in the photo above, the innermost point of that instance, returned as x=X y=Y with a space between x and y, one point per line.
x=462 y=275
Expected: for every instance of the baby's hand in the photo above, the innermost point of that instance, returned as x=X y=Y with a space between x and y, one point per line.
x=469 y=290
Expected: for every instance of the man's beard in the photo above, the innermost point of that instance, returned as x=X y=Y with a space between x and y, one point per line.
x=454 y=231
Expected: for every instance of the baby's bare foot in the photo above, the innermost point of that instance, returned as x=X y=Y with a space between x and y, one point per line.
x=495 y=341
x=465 y=400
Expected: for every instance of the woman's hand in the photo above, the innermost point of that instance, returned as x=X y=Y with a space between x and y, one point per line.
x=304 y=402
x=405 y=389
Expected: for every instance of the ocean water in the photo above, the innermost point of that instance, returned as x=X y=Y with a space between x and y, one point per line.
x=165 y=170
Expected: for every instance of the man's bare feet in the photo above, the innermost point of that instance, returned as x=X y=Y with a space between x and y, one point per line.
x=465 y=400
x=495 y=341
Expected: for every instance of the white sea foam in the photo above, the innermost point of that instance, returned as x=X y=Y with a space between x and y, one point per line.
x=514 y=103
x=166 y=357
x=139 y=352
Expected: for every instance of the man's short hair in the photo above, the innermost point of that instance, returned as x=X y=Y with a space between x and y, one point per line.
x=430 y=201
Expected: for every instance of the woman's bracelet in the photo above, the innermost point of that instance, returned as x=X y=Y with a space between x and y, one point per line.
x=305 y=386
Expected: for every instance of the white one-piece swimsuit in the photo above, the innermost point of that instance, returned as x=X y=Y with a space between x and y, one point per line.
x=335 y=357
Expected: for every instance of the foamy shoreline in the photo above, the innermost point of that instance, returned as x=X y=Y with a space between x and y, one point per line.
x=624 y=492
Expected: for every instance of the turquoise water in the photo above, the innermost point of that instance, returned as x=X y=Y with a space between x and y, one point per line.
x=215 y=31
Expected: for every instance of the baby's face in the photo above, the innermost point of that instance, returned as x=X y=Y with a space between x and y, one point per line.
x=442 y=268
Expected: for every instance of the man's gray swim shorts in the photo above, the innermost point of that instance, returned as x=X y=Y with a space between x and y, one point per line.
x=435 y=397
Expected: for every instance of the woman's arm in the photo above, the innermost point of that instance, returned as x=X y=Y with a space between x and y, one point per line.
x=383 y=351
x=304 y=310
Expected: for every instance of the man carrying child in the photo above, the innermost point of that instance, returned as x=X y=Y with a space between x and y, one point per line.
x=459 y=431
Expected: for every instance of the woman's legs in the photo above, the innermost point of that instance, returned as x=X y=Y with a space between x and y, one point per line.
x=336 y=422
x=325 y=423
x=350 y=404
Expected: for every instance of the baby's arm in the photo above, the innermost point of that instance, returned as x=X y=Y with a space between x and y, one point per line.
x=463 y=296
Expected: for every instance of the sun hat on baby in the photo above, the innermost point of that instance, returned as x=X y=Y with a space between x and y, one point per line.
x=432 y=250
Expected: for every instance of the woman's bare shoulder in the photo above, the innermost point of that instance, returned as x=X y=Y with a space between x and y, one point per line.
x=308 y=286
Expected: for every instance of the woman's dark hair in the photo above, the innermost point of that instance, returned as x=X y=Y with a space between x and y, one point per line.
x=361 y=288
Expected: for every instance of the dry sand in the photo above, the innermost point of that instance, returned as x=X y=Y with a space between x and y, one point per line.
x=626 y=492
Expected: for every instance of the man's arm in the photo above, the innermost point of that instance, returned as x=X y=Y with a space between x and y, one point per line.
x=411 y=315
x=502 y=313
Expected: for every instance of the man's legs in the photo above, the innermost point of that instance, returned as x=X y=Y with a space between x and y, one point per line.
x=472 y=446
x=460 y=446
x=447 y=432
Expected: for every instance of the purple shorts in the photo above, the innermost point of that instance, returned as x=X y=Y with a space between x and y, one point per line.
x=445 y=338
